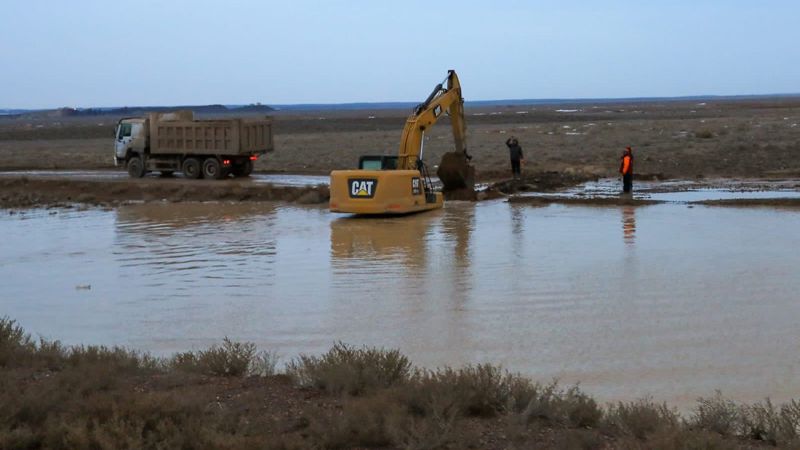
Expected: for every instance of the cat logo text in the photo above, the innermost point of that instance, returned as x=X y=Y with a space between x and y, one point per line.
x=362 y=187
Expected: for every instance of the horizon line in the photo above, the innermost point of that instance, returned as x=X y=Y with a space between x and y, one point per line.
x=518 y=101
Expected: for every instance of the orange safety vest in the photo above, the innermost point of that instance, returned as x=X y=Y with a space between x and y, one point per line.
x=627 y=167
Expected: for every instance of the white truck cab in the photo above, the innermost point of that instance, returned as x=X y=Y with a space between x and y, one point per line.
x=129 y=134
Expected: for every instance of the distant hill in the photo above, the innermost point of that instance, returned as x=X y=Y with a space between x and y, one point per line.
x=134 y=111
x=258 y=108
x=523 y=101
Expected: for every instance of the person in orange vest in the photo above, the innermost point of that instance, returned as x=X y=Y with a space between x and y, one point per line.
x=626 y=169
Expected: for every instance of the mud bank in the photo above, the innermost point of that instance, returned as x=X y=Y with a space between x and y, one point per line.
x=586 y=201
x=25 y=192
x=748 y=202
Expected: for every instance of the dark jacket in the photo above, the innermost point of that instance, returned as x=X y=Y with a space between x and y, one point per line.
x=514 y=150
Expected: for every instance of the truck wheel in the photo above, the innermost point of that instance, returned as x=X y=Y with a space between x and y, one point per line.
x=135 y=167
x=212 y=169
x=191 y=168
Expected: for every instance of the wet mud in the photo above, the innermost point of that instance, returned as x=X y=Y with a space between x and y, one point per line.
x=26 y=192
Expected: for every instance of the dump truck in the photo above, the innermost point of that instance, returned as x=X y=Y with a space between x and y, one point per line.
x=176 y=142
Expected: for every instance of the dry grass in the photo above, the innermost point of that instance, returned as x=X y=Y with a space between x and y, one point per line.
x=351 y=370
x=89 y=397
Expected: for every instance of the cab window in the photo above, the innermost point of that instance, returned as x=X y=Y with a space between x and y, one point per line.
x=124 y=130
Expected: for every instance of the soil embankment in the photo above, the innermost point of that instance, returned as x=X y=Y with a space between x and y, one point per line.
x=23 y=192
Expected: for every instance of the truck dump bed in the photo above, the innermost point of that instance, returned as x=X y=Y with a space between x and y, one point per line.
x=179 y=133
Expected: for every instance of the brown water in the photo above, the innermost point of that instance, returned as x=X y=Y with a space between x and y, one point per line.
x=665 y=300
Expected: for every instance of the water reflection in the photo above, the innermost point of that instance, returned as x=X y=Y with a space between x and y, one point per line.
x=629 y=224
x=399 y=240
x=197 y=243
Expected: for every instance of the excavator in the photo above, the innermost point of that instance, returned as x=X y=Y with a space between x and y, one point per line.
x=389 y=185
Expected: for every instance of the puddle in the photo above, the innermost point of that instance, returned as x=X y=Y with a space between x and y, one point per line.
x=660 y=300
x=683 y=191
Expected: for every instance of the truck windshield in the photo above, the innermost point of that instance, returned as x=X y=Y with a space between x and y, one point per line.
x=124 y=130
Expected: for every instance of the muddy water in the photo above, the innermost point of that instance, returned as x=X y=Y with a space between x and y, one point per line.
x=665 y=300
x=264 y=178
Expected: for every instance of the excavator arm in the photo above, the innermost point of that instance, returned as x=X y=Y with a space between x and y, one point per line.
x=442 y=100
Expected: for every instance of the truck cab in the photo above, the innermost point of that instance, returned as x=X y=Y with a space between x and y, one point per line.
x=130 y=136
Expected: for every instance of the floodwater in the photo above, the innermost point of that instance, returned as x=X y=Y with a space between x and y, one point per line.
x=277 y=179
x=682 y=191
x=664 y=300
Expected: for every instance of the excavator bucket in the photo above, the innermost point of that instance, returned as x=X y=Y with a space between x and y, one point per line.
x=457 y=176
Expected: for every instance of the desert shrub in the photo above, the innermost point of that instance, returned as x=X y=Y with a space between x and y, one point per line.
x=13 y=341
x=565 y=407
x=776 y=425
x=361 y=423
x=717 y=414
x=184 y=362
x=263 y=364
x=703 y=134
x=351 y=370
x=118 y=358
x=680 y=438
x=380 y=421
x=486 y=390
x=578 y=439
x=480 y=390
x=51 y=354
x=639 y=418
x=228 y=359
x=231 y=359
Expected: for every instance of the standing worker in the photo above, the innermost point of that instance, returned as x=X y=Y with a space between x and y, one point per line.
x=515 y=152
x=626 y=169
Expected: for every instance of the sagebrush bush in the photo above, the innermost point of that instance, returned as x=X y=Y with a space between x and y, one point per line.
x=14 y=342
x=639 y=418
x=351 y=370
x=717 y=414
x=481 y=390
x=776 y=425
x=231 y=359
x=551 y=403
x=263 y=364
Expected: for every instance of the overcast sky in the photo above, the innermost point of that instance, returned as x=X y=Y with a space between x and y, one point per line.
x=109 y=53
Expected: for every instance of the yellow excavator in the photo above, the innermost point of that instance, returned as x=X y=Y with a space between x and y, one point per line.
x=401 y=184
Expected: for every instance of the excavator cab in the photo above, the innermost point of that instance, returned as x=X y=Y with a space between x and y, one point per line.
x=377 y=162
